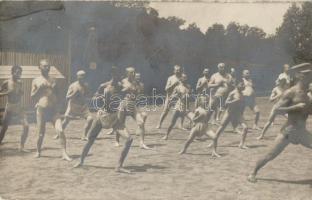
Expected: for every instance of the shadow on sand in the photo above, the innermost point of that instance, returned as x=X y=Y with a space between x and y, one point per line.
x=296 y=182
x=144 y=167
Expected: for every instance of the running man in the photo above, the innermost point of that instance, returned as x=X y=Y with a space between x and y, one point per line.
x=44 y=93
x=172 y=82
x=234 y=113
x=202 y=90
x=130 y=91
x=182 y=93
x=77 y=97
x=295 y=102
x=250 y=97
x=219 y=84
x=12 y=88
x=276 y=94
x=106 y=118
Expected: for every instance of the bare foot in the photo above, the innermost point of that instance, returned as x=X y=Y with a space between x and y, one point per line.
x=22 y=150
x=252 y=178
x=37 y=155
x=158 y=127
x=77 y=165
x=83 y=138
x=215 y=155
x=66 y=157
x=182 y=152
x=143 y=146
x=56 y=137
x=210 y=145
x=255 y=127
x=243 y=146
x=260 y=137
x=122 y=170
x=110 y=133
x=117 y=144
x=165 y=137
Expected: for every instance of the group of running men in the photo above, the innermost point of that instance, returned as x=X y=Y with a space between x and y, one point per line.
x=222 y=97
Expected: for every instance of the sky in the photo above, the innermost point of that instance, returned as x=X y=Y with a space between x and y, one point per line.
x=267 y=16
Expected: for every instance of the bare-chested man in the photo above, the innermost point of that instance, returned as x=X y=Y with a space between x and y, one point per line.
x=219 y=84
x=130 y=91
x=234 y=113
x=44 y=93
x=202 y=90
x=285 y=75
x=77 y=97
x=295 y=102
x=99 y=95
x=140 y=94
x=172 y=82
x=107 y=117
x=182 y=93
x=276 y=94
x=250 y=97
x=12 y=88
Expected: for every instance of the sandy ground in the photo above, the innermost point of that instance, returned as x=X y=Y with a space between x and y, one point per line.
x=158 y=174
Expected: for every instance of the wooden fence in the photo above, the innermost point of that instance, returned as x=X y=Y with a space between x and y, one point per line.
x=21 y=58
x=61 y=62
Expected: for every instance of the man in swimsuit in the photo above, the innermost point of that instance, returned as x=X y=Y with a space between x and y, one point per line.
x=202 y=90
x=172 y=82
x=182 y=93
x=130 y=90
x=234 y=113
x=77 y=97
x=107 y=117
x=276 y=94
x=219 y=84
x=285 y=75
x=250 y=97
x=44 y=93
x=295 y=102
x=12 y=88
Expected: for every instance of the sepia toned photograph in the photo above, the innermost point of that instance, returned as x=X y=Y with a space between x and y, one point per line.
x=155 y=100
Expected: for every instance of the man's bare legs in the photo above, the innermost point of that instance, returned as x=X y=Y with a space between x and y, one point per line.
x=257 y=117
x=176 y=115
x=190 y=139
x=279 y=145
x=243 y=138
x=140 y=120
x=125 y=134
x=24 y=134
x=267 y=125
x=62 y=137
x=216 y=136
x=95 y=130
x=163 y=116
x=41 y=126
x=86 y=128
x=5 y=124
x=57 y=123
